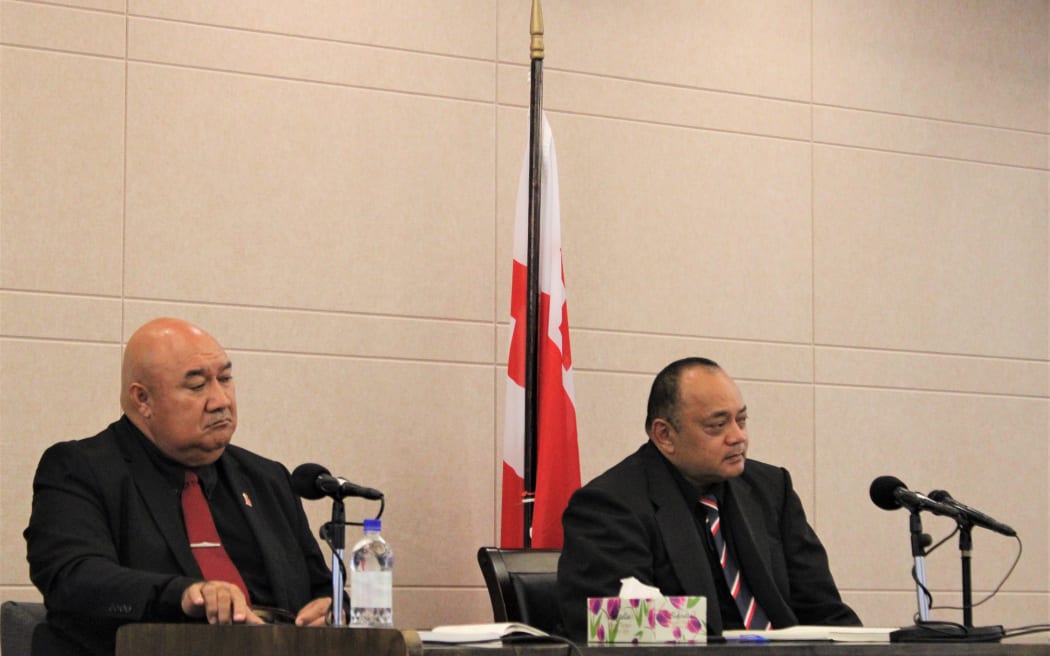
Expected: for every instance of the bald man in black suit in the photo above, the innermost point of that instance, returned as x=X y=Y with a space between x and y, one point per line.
x=106 y=540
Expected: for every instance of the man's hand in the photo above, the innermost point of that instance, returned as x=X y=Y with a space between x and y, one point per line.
x=219 y=602
x=314 y=613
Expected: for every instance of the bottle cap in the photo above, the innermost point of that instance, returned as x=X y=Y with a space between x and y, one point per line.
x=373 y=525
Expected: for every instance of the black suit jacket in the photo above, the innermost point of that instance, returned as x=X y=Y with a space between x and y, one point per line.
x=634 y=520
x=106 y=543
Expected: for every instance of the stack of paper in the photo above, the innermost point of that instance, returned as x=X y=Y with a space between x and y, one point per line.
x=808 y=633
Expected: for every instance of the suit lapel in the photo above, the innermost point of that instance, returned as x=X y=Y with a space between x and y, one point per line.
x=157 y=495
x=752 y=547
x=265 y=538
x=678 y=530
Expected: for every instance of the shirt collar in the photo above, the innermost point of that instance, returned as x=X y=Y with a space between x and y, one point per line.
x=174 y=473
x=692 y=493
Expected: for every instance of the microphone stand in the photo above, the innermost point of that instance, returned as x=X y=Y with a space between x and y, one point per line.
x=979 y=633
x=965 y=554
x=334 y=532
x=926 y=631
x=919 y=542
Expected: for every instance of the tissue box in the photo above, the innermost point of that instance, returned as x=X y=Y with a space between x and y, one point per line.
x=640 y=621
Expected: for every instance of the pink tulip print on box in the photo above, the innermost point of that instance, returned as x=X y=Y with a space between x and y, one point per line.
x=646 y=621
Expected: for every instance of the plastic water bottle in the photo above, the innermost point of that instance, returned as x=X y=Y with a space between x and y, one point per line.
x=371 y=579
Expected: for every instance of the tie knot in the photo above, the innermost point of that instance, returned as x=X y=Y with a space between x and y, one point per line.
x=190 y=478
x=710 y=502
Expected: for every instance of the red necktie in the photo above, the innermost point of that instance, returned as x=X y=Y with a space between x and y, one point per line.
x=752 y=614
x=204 y=539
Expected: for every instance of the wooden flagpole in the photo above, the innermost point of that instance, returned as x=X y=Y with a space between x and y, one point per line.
x=532 y=288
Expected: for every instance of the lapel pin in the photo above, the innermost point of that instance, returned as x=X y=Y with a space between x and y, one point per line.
x=247 y=499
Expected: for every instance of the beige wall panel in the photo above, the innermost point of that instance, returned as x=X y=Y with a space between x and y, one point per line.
x=421 y=433
x=62 y=28
x=780 y=425
x=336 y=198
x=610 y=418
x=52 y=316
x=751 y=47
x=61 y=172
x=1010 y=609
x=20 y=592
x=972 y=62
x=932 y=372
x=657 y=103
x=920 y=254
x=648 y=354
x=989 y=452
x=327 y=333
x=104 y=5
x=307 y=59
x=917 y=136
x=428 y=607
x=675 y=231
x=452 y=27
x=34 y=418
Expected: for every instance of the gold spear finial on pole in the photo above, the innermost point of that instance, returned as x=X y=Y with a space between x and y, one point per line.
x=536 y=29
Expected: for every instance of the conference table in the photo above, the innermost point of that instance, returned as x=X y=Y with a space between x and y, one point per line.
x=286 y=640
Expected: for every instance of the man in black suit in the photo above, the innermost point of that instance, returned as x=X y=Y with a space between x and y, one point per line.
x=644 y=518
x=107 y=543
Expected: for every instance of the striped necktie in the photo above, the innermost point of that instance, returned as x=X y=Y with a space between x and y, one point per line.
x=204 y=539
x=752 y=614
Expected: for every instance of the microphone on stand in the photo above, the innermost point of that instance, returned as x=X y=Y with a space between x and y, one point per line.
x=976 y=517
x=890 y=493
x=312 y=481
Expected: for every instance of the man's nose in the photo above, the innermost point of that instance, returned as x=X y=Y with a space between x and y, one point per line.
x=736 y=433
x=218 y=397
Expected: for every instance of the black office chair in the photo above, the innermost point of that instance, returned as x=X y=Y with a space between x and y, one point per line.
x=18 y=619
x=24 y=631
x=523 y=586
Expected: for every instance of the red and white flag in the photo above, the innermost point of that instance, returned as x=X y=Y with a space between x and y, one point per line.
x=558 y=458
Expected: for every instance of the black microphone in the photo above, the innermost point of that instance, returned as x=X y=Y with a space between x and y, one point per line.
x=976 y=516
x=889 y=493
x=311 y=481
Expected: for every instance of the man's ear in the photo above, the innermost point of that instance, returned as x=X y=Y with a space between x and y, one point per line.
x=140 y=399
x=661 y=432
